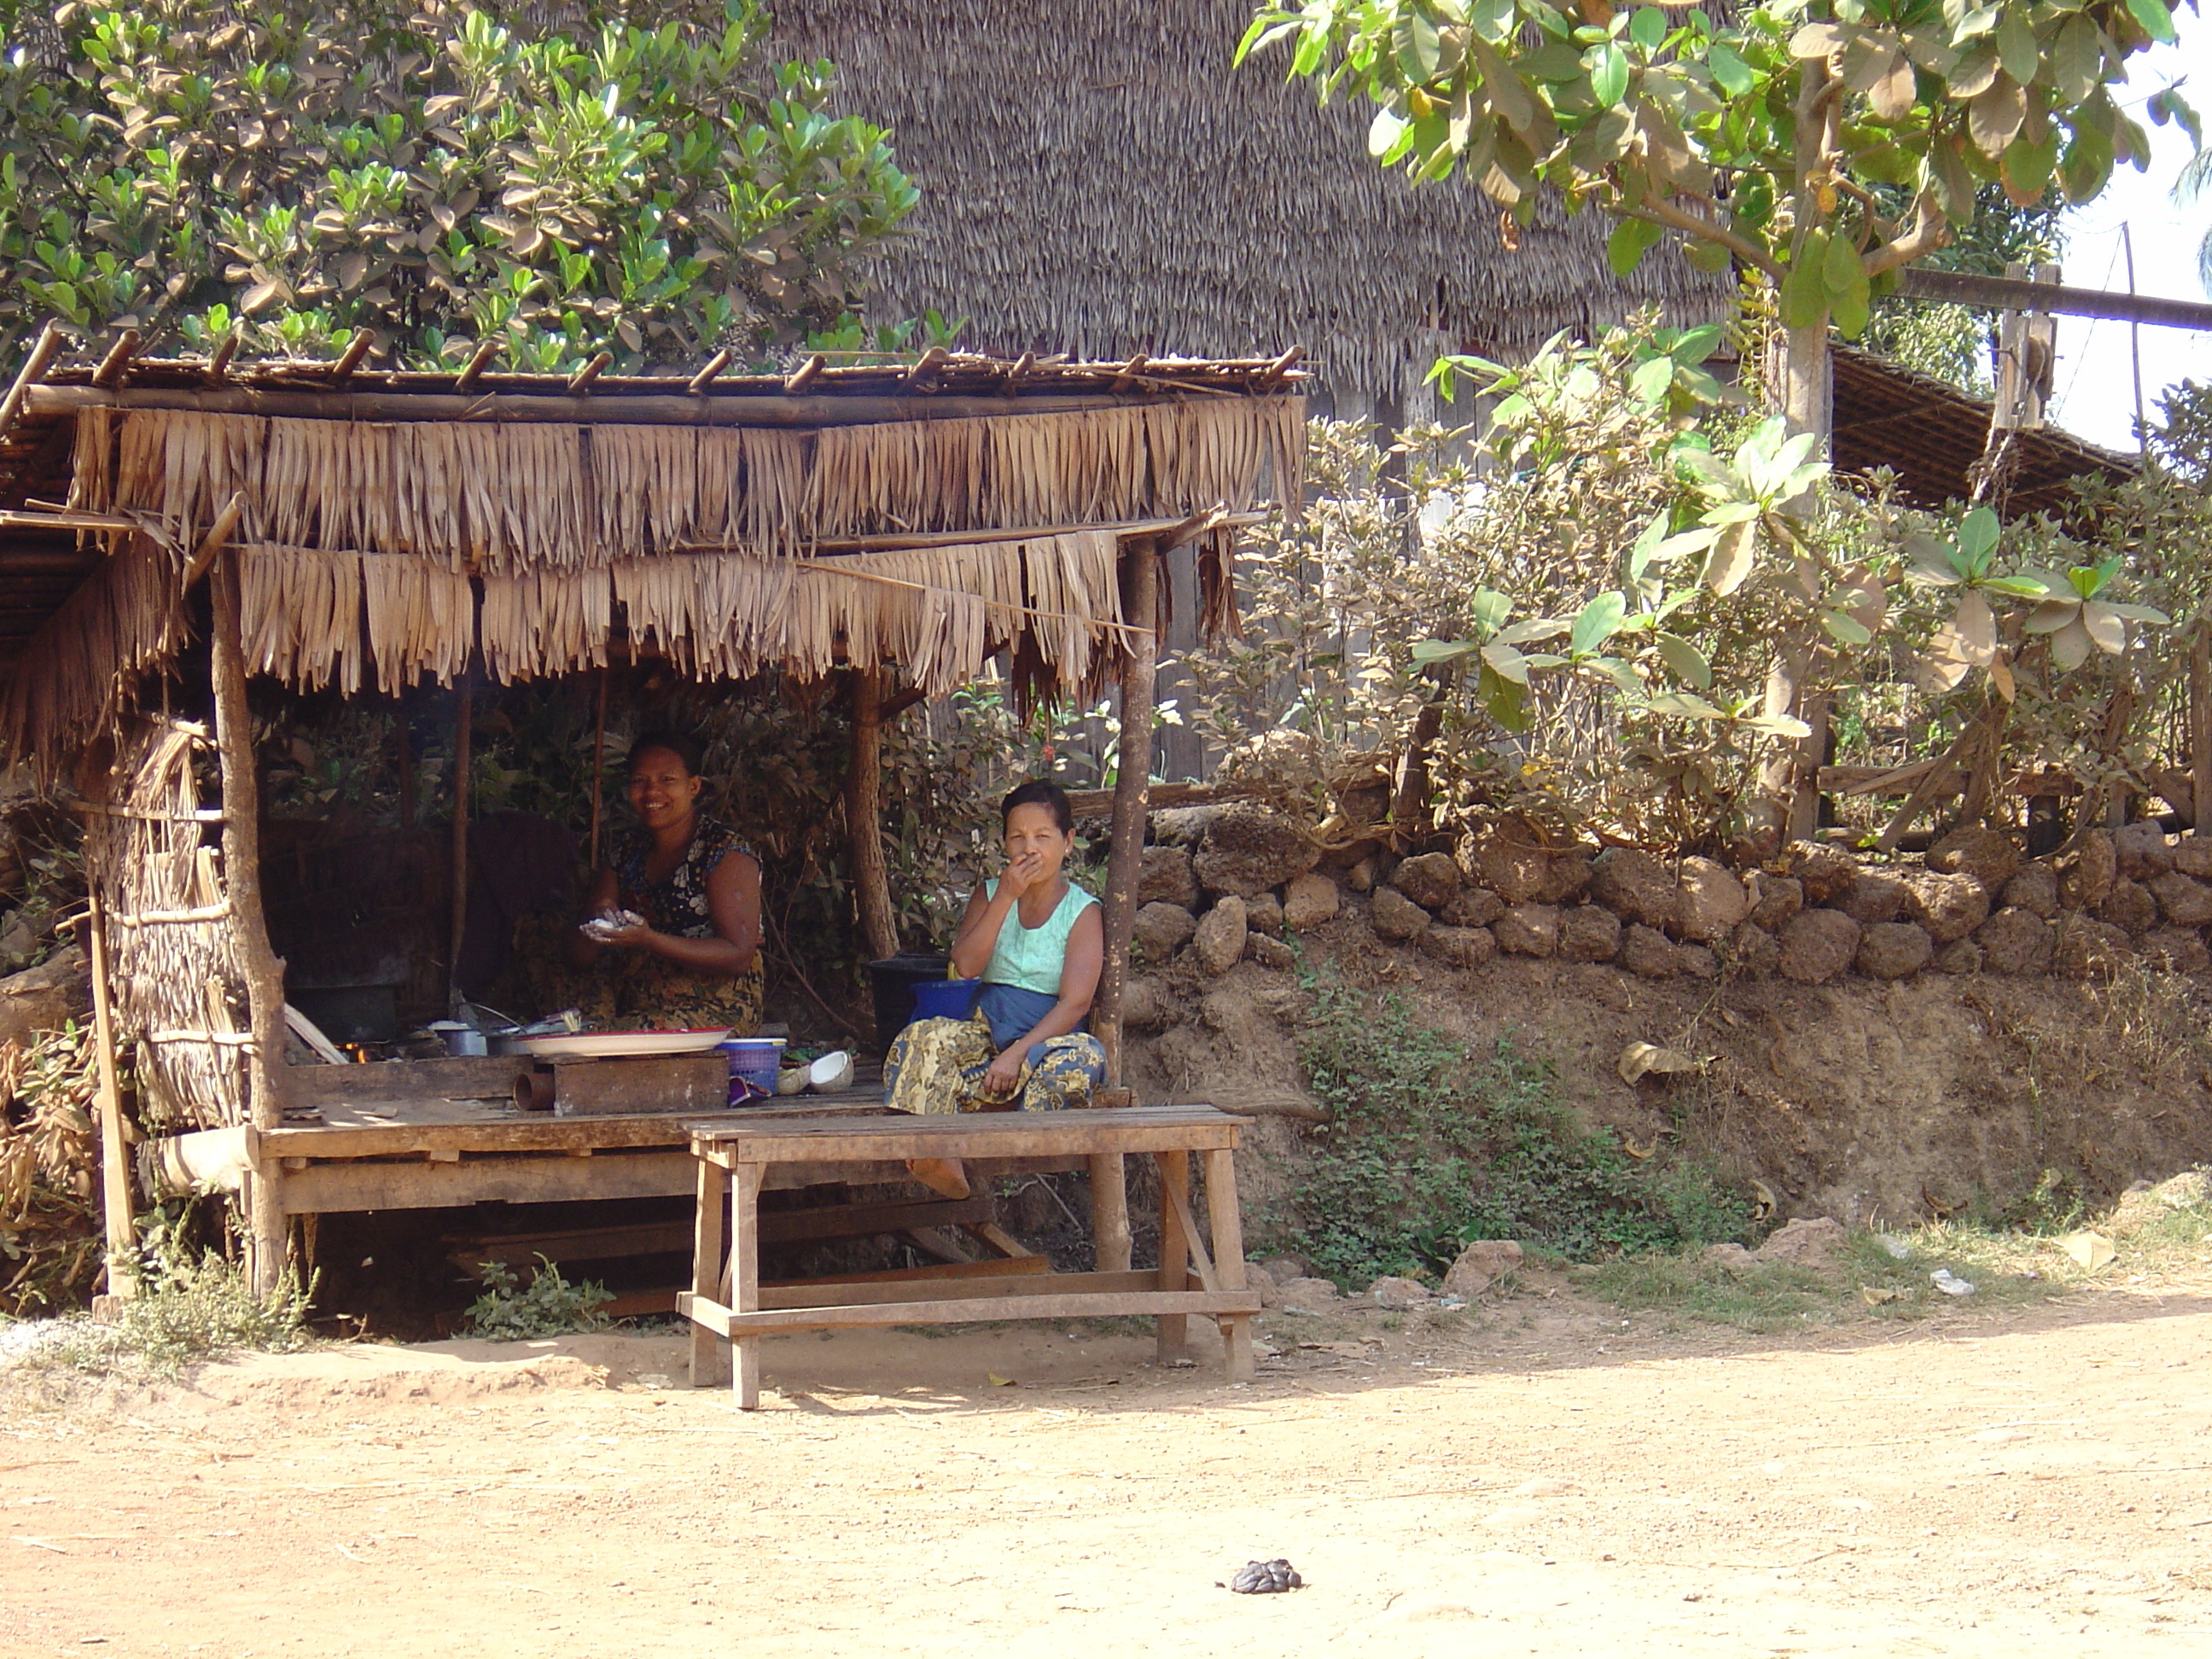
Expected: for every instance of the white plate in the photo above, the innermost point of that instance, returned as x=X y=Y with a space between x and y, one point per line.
x=604 y=1045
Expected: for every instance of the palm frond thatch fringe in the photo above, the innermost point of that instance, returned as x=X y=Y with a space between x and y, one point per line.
x=940 y=611
x=504 y=499
x=127 y=618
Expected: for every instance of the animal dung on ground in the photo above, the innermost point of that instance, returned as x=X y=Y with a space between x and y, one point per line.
x=1265 y=1578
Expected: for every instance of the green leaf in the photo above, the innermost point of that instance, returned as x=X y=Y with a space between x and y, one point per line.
x=1647 y=26
x=1696 y=344
x=1413 y=42
x=1736 y=76
x=2027 y=166
x=1733 y=552
x=1649 y=382
x=1507 y=701
x=1426 y=652
x=1631 y=239
x=1804 y=295
x=1490 y=611
x=1622 y=674
x=1780 y=726
x=1978 y=532
x=1684 y=660
x=1387 y=137
x=1608 y=71
x=2015 y=38
x=1846 y=630
x=1685 y=704
x=1536 y=628
x=1505 y=662
x=1597 y=621
x=2154 y=17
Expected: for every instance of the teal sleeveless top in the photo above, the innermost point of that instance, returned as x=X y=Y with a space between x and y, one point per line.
x=1031 y=958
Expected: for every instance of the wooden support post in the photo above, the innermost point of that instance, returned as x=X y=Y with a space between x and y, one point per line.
x=115 y=1185
x=863 y=829
x=1109 y=1212
x=2200 y=730
x=1173 y=1342
x=464 y=762
x=406 y=763
x=745 y=1280
x=266 y=1232
x=599 y=767
x=709 y=1360
x=1131 y=785
x=1225 y=1221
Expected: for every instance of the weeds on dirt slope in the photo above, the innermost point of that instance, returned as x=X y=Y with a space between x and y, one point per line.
x=191 y=1304
x=2155 y=1237
x=1430 y=1145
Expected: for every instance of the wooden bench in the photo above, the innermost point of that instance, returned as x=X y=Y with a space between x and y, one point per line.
x=728 y=1305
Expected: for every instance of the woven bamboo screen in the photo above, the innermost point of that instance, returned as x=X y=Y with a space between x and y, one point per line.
x=172 y=963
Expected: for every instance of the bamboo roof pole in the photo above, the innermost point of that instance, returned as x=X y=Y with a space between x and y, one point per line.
x=599 y=767
x=265 y=974
x=2200 y=730
x=464 y=761
x=1132 y=783
x=115 y=1187
x=863 y=829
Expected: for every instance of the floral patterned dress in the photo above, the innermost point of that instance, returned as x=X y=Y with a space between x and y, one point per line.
x=636 y=989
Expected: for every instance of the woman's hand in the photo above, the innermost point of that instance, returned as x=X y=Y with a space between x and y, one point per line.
x=1025 y=871
x=1004 y=1075
x=638 y=937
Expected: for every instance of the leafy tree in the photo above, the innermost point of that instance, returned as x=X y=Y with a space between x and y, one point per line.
x=1765 y=138
x=439 y=173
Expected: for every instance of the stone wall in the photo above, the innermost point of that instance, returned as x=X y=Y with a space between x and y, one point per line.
x=1224 y=884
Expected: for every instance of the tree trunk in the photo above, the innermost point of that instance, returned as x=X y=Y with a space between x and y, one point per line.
x=1131 y=780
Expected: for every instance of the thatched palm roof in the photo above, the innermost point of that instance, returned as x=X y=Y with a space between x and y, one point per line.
x=393 y=526
x=1098 y=179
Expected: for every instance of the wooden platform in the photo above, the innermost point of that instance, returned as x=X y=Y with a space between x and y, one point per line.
x=737 y=1160
x=372 y=1144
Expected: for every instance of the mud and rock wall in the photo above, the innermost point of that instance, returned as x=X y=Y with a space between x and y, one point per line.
x=1873 y=1039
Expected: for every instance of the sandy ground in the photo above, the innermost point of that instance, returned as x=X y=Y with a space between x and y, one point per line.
x=1540 y=1479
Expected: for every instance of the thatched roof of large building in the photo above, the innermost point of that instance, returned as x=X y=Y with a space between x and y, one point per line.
x=1098 y=179
x=395 y=526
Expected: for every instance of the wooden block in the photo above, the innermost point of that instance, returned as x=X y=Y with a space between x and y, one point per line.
x=476 y=1078
x=658 y=1086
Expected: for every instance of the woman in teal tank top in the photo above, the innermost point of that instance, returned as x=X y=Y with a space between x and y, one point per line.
x=1037 y=942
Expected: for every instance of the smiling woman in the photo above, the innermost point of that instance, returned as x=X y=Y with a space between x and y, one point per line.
x=673 y=935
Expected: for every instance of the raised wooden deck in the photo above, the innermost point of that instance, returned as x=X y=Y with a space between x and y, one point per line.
x=365 y=1138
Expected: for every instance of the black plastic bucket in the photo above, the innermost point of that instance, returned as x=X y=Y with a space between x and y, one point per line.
x=893 y=980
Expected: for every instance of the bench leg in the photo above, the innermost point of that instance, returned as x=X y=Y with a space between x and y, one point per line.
x=745 y=1279
x=1225 y=1221
x=708 y=1357
x=1109 y=1212
x=1175 y=1252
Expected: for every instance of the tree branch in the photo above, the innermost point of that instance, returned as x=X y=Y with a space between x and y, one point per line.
x=1673 y=218
x=1930 y=231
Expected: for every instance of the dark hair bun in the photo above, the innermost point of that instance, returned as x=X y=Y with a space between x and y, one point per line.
x=1037 y=792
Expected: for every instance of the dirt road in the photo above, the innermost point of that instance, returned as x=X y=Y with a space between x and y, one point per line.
x=1549 y=1482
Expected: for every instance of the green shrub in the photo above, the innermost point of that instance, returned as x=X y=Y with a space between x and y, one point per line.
x=185 y=1310
x=1430 y=1145
x=550 y=1307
